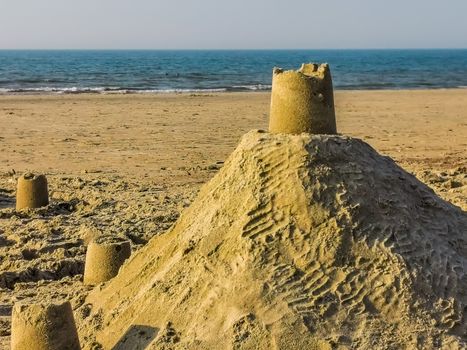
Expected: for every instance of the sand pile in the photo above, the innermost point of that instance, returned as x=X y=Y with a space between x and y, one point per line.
x=297 y=242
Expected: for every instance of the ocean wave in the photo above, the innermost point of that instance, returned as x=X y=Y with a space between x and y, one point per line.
x=168 y=91
x=254 y=87
x=46 y=89
x=102 y=90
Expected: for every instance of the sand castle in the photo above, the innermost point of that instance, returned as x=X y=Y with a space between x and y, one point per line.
x=300 y=241
x=43 y=327
x=31 y=191
x=104 y=256
x=302 y=101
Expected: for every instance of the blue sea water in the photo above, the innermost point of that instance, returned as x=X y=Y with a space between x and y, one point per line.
x=236 y=70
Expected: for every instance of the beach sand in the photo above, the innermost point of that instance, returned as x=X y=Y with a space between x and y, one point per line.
x=128 y=164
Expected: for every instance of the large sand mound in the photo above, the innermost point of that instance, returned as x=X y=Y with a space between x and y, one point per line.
x=298 y=242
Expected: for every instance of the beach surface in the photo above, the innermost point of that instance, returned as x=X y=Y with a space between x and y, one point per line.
x=161 y=136
x=128 y=164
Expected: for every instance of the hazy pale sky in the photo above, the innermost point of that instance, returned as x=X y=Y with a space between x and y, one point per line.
x=220 y=24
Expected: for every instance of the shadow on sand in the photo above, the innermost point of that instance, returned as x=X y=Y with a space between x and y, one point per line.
x=7 y=199
x=137 y=337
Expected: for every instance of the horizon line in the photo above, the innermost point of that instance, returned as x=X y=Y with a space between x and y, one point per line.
x=231 y=49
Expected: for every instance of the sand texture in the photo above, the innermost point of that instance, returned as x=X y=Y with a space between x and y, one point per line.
x=128 y=165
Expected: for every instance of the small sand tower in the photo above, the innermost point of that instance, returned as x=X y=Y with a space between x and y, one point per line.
x=302 y=101
x=43 y=327
x=32 y=191
x=104 y=257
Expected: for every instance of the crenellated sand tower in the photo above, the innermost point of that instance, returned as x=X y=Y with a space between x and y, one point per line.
x=302 y=101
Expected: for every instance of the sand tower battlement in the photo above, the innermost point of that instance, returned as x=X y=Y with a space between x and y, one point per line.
x=302 y=101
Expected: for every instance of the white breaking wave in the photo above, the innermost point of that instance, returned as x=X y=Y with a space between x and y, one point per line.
x=162 y=91
x=54 y=89
x=102 y=90
x=254 y=87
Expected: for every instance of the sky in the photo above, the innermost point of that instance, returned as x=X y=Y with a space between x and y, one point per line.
x=234 y=24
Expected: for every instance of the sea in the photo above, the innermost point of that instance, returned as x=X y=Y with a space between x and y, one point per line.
x=159 y=71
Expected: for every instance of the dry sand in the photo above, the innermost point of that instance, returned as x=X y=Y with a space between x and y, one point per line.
x=130 y=164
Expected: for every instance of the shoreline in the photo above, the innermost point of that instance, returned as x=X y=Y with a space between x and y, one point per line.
x=201 y=92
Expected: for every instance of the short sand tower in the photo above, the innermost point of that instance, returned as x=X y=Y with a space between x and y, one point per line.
x=32 y=191
x=43 y=327
x=104 y=257
x=302 y=101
